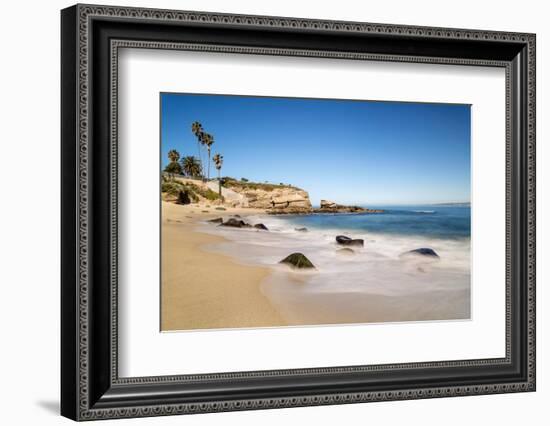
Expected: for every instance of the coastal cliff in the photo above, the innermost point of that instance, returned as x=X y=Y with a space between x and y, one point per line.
x=286 y=199
x=275 y=199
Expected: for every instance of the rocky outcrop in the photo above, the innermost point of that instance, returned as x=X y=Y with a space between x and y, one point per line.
x=327 y=206
x=235 y=223
x=291 y=200
x=275 y=199
x=298 y=261
x=347 y=241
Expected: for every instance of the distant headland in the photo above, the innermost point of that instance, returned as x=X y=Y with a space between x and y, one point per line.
x=453 y=204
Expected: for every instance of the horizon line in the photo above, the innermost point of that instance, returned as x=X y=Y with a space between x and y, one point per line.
x=398 y=203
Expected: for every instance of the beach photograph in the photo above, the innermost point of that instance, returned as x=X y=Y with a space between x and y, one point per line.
x=279 y=211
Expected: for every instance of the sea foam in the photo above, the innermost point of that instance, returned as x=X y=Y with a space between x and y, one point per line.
x=376 y=268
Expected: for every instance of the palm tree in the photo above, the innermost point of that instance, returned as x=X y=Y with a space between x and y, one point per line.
x=208 y=140
x=173 y=166
x=191 y=166
x=196 y=128
x=173 y=156
x=218 y=162
x=198 y=131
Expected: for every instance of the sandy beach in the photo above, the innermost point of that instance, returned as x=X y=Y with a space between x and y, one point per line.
x=201 y=289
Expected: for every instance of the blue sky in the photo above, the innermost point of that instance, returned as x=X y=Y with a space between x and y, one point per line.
x=360 y=152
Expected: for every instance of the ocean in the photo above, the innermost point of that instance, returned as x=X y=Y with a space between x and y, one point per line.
x=421 y=220
x=342 y=285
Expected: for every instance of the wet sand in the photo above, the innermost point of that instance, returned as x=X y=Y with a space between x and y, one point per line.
x=203 y=290
x=300 y=306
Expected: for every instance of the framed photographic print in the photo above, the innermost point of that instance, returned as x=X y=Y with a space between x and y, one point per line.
x=263 y=212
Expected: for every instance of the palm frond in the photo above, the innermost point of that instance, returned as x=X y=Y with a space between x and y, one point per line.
x=196 y=128
x=173 y=156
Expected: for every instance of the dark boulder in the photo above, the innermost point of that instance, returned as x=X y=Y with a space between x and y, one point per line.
x=217 y=220
x=298 y=260
x=301 y=229
x=347 y=241
x=235 y=223
x=423 y=251
x=342 y=239
x=261 y=226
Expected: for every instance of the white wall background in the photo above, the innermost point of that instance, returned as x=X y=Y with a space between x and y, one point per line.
x=29 y=225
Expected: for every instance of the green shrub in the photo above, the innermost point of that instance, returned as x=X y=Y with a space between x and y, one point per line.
x=173 y=168
x=232 y=183
x=175 y=187
x=192 y=196
x=210 y=195
x=181 y=190
x=204 y=192
x=171 y=187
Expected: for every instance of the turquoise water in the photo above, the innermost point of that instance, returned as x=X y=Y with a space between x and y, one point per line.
x=440 y=222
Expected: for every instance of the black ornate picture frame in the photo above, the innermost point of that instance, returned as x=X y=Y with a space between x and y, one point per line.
x=91 y=387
